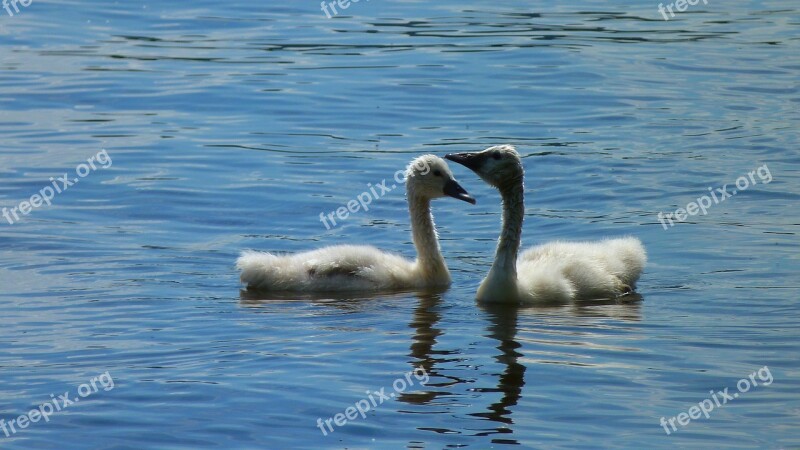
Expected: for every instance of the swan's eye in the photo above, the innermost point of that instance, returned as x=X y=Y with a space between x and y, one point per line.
x=437 y=173
x=496 y=155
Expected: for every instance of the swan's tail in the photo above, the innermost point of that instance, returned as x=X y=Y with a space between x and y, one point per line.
x=633 y=256
x=262 y=270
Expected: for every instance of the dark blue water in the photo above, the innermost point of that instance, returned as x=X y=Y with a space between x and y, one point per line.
x=234 y=125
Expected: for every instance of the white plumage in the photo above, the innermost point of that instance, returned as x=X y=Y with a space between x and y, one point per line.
x=581 y=270
x=361 y=267
x=556 y=271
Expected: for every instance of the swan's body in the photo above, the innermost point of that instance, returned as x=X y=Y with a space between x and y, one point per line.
x=362 y=267
x=557 y=271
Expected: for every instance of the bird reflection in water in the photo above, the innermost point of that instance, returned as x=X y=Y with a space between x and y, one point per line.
x=442 y=365
x=504 y=327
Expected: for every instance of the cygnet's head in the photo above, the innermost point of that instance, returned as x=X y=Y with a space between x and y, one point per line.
x=499 y=166
x=429 y=177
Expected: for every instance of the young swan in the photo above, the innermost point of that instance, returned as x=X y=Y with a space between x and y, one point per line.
x=361 y=267
x=557 y=271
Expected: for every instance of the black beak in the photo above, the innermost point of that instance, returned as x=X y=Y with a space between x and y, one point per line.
x=453 y=189
x=472 y=161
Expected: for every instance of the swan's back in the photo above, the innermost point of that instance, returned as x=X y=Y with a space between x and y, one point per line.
x=335 y=268
x=582 y=269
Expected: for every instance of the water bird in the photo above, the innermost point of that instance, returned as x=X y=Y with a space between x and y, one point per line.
x=553 y=272
x=361 y=267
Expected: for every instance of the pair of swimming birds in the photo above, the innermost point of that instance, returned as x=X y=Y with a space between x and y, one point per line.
x=553 y=272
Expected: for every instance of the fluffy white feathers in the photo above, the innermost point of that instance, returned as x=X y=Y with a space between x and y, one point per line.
x=365 y=268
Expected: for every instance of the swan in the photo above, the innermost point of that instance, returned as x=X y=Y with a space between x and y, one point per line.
x=361 y=267
x=556 y=271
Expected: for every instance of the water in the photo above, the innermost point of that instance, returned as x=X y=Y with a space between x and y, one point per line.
x=233 y=126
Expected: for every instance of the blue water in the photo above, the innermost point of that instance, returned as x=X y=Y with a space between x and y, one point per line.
x=234 y=125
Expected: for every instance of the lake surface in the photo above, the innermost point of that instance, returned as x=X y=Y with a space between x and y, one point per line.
x=231 y=126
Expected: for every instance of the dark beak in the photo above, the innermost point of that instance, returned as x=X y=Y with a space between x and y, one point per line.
x=472 y=161
x=453 y=189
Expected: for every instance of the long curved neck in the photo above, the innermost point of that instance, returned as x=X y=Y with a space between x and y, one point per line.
x=505 y=259
x=429 y=257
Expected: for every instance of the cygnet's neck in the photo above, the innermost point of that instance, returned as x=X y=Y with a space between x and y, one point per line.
x=430 y=262
x=505 y=260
